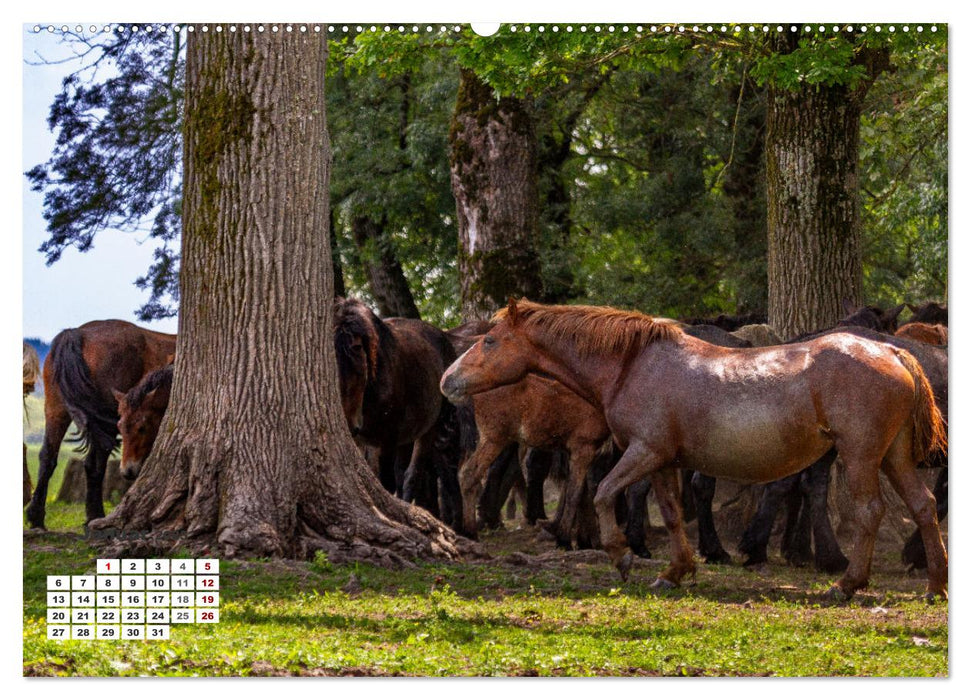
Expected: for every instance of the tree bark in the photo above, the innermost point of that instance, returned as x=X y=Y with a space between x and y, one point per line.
x=386 y=278
x=254 y=457
x=494 y=180
x=814 y=241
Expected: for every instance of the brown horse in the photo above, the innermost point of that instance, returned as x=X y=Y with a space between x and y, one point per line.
x=538 y=413
x=83 y=367
x=141 y=411
x=933 y=334
x=752 y=415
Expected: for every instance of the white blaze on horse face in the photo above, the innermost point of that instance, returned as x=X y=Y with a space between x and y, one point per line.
x=452 y=369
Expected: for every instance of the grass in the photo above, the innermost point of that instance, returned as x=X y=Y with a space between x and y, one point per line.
x=546 y=614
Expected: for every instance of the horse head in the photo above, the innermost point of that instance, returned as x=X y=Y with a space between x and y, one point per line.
x=356 y=346
x=141 y=411
x=871 y=317
x=499 y=357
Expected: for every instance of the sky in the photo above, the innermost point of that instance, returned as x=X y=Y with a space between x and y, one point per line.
x=80 y=287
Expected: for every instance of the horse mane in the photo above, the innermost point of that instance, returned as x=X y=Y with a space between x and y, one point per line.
x=149 y=383
x=593 y=330
x=353 y=318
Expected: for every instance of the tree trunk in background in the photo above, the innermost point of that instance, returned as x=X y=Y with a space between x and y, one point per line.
x=254 y=457
x=812 y=189
x=386 y=279
x=494 y=180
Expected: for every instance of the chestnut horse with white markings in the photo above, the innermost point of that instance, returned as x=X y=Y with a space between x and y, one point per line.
x=752 y=415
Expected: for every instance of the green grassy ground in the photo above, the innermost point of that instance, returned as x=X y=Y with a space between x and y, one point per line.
x=545 y=613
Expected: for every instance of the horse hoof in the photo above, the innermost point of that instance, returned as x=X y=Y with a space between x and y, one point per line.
x=932 y=597
x=722 y=557
x=643 y=553
x=624 y=565
x=663 y=584
x=838 y=595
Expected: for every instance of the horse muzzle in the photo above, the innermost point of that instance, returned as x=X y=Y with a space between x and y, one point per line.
x=131 y=470
x=453 y=388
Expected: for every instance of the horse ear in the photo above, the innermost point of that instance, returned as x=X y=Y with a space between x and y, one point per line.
x=848 y=308
x=117 y=394
x=170 y=359
x=894 y=312
x=513 y=311
x=913 y=309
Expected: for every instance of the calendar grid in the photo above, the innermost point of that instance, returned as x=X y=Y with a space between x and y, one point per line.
x=132 y=599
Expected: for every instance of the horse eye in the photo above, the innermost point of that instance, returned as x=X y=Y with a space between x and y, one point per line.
x=488 y=340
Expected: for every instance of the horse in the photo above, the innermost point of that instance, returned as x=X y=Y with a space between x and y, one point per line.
x=751 y=415
x=932 y=334
x=537 y=413
x=389 y=372
x=726 y=322
x=140 y=412
x=807 y=493
x=870 y=317
x=930 y=312
x=83 y=367
x=31 y=373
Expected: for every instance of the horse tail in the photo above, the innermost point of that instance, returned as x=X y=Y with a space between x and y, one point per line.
x=96 y=419
x=930 y=430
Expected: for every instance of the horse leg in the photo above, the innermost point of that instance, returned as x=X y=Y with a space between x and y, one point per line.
x=709 y=544
x=667 y=493
x=829 y=557
x=581 y=456
x=387 y=459
x=689 y=507
x=637 y=518
x=755 y=540
x=95 y=465
x=420 y=485
x=797 y=537
x=57 y=422
x=638 y=462
x=502 y=474
x=537 y=468
x=868 y=508
x=913 y=554
x=472 y=482
x=923 y=508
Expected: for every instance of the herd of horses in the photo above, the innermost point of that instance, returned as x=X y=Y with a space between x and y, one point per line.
x=622 y=401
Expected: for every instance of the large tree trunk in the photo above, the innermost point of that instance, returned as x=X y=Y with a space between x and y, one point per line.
x=386 y=279
x=254 y=456
x=812 y=154
x=494 y=180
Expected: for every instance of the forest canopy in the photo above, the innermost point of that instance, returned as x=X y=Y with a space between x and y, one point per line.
x=648 y=150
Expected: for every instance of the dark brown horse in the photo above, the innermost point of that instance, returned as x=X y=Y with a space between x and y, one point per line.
x=752 y=415
x=83 y=367
x=871 y=317
x=141 y=411
x=389 y=372
x=930 y=312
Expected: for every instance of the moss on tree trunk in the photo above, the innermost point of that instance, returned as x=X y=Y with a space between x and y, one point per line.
x=494 y=180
